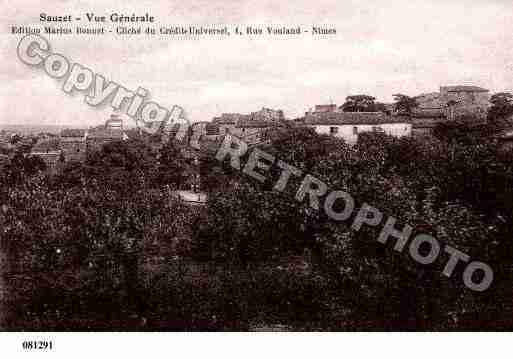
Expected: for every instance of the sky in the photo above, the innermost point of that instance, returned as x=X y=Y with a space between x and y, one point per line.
x=381 y=48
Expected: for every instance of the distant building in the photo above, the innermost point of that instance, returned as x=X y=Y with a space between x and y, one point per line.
x=455 y=101
x=227 y=121
x=267 y=114
x=451 y=103
x=255 y=131
x=253 y=128
x=349 y=125
x=324 y=108
x=470 y=96
x=73 y=144
x=112 y=131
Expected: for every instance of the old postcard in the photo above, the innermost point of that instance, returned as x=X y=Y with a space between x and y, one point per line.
x=249 y=166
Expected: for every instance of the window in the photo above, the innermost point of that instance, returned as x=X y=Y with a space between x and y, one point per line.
x=333 y=130
x=355 y=130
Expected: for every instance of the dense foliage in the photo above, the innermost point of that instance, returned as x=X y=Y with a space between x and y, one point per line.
x=105 y=244
x=457 y=190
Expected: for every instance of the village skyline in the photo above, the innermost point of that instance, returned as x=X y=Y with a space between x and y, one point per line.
x=379 y=49
x=105 y=113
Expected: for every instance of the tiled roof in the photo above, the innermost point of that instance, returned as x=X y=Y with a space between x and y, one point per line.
x=465 y=89
x=353 y=118
x=73 y=133
x=428 y=113
x=255 y=124
x=263 y=115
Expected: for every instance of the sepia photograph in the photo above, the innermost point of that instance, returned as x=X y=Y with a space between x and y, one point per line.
x=255 y=166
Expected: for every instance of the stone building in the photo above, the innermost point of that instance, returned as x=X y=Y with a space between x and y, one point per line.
x=349 y=125
x=267 y=114
x=454 y=101
x=254 y=131
x=451 y=103
x=112 y=131
x=324 y=108
x=253 y=128
x=465 y=101
x=227 y=121
x=466 y=95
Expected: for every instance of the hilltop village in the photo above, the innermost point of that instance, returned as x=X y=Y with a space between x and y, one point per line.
x=409 y=116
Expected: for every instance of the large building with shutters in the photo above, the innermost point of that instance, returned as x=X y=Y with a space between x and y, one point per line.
x=349 y=125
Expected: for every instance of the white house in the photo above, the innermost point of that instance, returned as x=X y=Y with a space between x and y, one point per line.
x=348 y=125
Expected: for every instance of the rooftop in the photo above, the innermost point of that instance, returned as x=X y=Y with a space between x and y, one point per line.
x=73 y=133
x=464 y=89
x=428 y=113
x=353 y=118
x=254 y=123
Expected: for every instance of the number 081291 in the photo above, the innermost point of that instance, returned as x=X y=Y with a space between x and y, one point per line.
x=37 y=345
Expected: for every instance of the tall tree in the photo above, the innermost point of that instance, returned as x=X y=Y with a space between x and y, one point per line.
x=404 y=104
x=359 y=103
x=173 y=166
